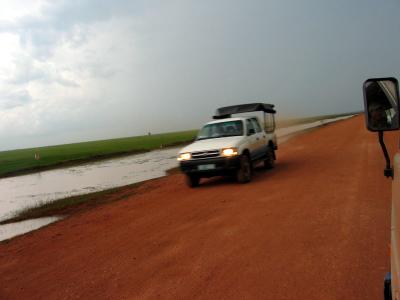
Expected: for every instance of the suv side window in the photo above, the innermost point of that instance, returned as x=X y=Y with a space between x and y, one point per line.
x=256 y=125
x=249 y=125
x=269 y=123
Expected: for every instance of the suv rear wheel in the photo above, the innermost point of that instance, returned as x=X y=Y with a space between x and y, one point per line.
x=192 y=180
x=269 y=161
x=243 y=174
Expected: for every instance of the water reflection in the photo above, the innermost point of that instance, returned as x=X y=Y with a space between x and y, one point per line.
x=34 y=189
x=10 y=230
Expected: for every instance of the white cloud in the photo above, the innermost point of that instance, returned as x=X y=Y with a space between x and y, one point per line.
x=28 y=70
x=11 y=10
x=10 y=46
x=14 y=98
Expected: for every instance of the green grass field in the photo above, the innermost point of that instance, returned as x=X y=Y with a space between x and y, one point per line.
x=16 y=162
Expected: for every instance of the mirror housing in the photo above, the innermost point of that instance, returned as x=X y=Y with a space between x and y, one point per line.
x=381 y=104
x=251 y=131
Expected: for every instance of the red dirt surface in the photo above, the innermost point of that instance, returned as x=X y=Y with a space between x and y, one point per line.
x=315 y=227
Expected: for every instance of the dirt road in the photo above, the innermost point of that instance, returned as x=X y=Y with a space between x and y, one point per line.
x=315 y=227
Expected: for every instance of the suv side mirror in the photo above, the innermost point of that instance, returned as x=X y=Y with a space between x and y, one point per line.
x=251 y=131
x=381 y=104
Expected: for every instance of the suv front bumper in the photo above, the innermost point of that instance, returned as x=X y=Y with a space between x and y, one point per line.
x=219 y=166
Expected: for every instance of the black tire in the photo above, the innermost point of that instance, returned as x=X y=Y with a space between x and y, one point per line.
x=243 y=174
x=269 y=161
x=192 y=181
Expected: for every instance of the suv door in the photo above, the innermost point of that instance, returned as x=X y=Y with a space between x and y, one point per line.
x=260 y=142
x=251 y=139
x=395 y=222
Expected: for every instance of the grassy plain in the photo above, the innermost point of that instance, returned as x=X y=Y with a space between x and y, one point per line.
x=22 y=161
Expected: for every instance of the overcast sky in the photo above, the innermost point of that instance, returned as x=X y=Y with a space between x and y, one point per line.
x=92 y=69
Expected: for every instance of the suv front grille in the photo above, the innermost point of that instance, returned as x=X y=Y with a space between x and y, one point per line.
x=205 y=154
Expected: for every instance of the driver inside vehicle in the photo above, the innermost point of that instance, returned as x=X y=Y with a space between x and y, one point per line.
x=381 y=100
x=378 y=116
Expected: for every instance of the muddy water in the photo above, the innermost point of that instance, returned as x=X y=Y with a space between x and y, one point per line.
x=21 y=192
x=31 y=190
x=10 y=230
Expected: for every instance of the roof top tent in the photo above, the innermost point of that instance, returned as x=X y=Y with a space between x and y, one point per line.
x=268 y=109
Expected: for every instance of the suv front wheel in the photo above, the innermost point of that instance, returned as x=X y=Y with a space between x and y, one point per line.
x=243 y=174
x=192 y=180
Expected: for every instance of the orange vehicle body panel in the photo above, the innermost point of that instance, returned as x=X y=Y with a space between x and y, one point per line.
x=395 y=228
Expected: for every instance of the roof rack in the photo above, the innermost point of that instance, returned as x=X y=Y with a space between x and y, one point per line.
x=227 y=111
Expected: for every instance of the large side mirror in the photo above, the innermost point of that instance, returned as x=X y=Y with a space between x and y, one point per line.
x=381 y=104
x=251 y=131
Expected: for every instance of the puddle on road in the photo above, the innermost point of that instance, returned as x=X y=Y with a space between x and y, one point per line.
x=10 y=230
x=25 y=191
x=30 y=190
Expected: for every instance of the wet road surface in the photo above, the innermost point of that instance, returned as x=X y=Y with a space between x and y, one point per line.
x=315 y=227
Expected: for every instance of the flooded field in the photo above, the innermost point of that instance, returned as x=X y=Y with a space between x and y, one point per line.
x=26 y=191
x=34 y=189
x=13 y=229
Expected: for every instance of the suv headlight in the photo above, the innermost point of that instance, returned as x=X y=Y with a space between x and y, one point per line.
x=228 y=152
x=184 y=156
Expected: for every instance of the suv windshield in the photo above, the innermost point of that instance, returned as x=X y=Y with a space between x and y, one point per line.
x=222 y=129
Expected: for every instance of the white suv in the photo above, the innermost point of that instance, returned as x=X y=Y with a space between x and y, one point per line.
x=230 y=146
